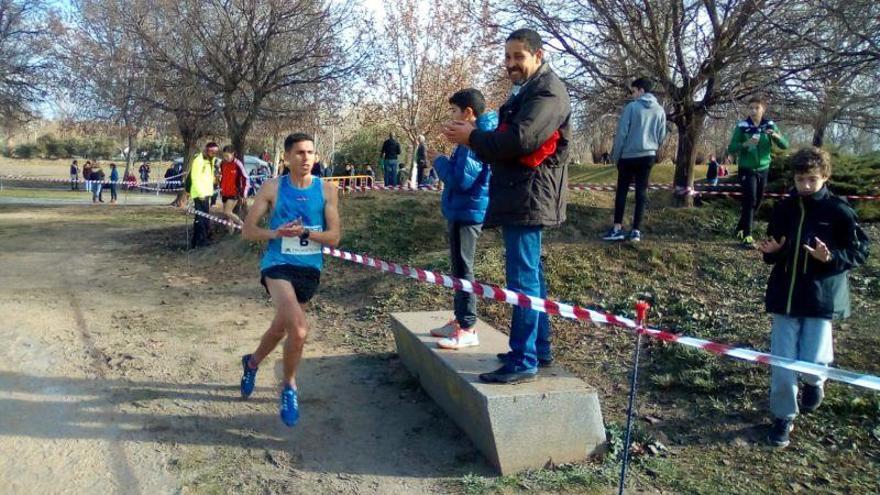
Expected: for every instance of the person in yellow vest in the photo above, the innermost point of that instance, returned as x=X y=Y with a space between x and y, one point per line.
x=200 y=186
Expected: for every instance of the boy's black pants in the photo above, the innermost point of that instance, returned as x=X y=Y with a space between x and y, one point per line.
x=752 y=184
x=630 y=170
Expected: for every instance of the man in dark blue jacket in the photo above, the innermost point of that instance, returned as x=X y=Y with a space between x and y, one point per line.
x=464 y=203
x=528 y=190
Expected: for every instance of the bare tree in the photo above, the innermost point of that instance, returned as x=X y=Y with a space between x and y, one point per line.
x=244 y=51
x=25 y=26
x=703 y=54
x=427 y=56
x=106 y=77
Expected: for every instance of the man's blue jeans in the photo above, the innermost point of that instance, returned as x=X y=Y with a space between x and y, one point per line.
x=530 y=329
x=391 y=171
x=804 y=339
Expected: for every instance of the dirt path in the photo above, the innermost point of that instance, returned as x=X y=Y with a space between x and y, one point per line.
x=120 y=373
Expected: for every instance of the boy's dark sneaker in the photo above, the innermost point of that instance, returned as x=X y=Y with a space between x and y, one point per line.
x=748 y=242
x=543 y=362
x=289 y=407
x=811 y=398
x=635 y=236
x=510 y=375
x=614 y=234
x=779 y=432
x=248 y=377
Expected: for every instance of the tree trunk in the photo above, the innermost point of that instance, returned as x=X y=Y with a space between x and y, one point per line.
x=131 y=149
x=190 y=137
x=690 y=128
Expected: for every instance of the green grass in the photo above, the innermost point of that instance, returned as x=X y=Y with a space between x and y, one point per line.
x=714 y=409
x=662 y=173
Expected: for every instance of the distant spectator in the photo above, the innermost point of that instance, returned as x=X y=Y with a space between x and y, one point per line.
x=421 y=161
x=97 y=178
x=390 y=152
x=144 y=171
x=606 y=158
x=712 y=171
x=640 y=132
x=317 y=167
x=74 y=176
x=751 y=142
x=87 y=175
x=200 y=186
x=369 y=171
x=114 y=178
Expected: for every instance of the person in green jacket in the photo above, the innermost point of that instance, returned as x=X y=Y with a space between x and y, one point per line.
x=751 y=143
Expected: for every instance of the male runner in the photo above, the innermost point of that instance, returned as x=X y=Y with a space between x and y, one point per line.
x=304 y=218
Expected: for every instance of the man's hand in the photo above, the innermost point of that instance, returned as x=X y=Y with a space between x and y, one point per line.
x=770 y=246
x=289 y=229
x=458 y=132
x=820 y=252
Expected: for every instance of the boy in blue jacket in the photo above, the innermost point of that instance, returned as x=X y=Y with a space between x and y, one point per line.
x=464 y=203
x=813 y=241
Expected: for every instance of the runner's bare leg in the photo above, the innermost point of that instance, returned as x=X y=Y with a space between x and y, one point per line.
x=290 y=320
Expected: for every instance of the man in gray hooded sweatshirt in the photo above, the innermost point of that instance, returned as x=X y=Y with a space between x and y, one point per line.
x=640 y=133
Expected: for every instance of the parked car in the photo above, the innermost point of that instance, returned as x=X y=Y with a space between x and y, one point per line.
x=251 y=162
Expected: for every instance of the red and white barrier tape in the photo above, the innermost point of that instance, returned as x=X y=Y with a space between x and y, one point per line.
x=575 y=312
x=121 y=182
x=700 y=190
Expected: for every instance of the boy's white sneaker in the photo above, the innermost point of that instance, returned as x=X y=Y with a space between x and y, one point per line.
x=446 y=330
x=459 y=339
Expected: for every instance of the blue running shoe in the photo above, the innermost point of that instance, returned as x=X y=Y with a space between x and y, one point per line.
x=248 y=377
x=289 y=406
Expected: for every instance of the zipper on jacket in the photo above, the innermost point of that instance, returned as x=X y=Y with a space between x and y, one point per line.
x=794 y=263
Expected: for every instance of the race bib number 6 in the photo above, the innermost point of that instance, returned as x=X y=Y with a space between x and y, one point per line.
x=295 y=246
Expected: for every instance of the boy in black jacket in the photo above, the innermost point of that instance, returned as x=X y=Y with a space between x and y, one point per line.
x=814 y=239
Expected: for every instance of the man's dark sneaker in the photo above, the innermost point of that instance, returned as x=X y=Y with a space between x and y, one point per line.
x=635 y=236
x=811 y=398
x=289 y=407
x=748 y=242
x=543 y=362
x=510 y=375
x=779 y=432
x=248 y=377
x=614 y=234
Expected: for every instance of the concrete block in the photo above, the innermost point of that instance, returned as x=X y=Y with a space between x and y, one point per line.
x=555 y=419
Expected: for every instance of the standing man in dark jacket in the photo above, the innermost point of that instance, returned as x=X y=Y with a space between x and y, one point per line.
x=528 y=189
x=390 y=152
x=814 y=239
x=421 y=161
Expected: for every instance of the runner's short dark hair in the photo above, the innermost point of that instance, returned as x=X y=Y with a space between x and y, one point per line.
x=469 y=98
x=530 y=37
x=811 y=159
x=228 y=149
x=643 y=83
x=297 y=137
x=212 y=144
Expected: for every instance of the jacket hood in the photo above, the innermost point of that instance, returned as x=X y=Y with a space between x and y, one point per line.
x=488 y=121
x=648 y=100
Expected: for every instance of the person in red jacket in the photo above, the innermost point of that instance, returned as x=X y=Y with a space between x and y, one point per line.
x=233 y=183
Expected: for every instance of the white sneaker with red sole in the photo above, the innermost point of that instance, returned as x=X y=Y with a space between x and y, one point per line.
x=459 y=339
